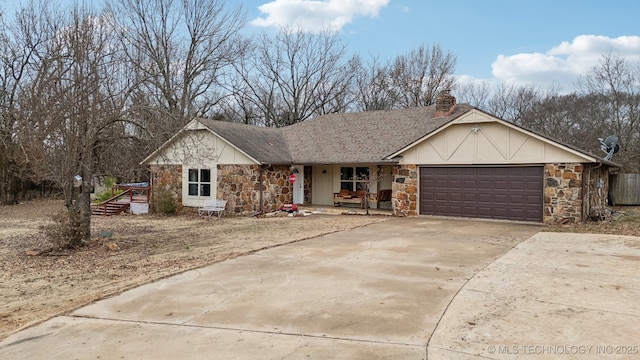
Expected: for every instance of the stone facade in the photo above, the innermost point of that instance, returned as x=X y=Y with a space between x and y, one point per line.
x=167 y=178
x=404 y=197
x=308 y=182
x=595 y=187
x=563 y=193
x=240 y=186
x=564 y=186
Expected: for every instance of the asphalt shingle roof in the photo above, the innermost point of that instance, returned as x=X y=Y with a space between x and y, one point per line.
x=267 y=145
x=357 y=138
x=349 y=138
x=362 y=138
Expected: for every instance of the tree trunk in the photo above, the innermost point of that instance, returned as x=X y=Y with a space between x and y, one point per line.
x=83 y=204
x=79 y=211
x=8 y=183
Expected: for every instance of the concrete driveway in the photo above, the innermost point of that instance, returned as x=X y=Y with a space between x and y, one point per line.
x=372 y=293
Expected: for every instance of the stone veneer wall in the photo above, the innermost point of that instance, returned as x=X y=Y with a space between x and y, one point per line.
x=563 y=193
x=596 y=192
x=167 y=178
x=404 y=197
x=308 y=182
x=240 y=186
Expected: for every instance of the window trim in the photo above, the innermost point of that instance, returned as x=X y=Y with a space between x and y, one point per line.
x=355 y=180
x=203 y=188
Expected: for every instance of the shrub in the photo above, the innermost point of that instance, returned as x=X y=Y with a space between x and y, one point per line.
x=108 y=181
x=66 y=231
x=106 y=195
x=164 y=202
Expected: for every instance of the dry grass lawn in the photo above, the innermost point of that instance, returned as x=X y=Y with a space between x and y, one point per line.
x=39 y=282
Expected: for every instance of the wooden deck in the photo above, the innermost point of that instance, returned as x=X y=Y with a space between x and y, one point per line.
x=121 y=202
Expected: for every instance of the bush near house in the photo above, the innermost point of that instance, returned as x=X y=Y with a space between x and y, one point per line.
x=164 y=202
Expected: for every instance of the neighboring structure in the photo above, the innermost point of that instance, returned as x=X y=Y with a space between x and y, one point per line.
x=448 y=159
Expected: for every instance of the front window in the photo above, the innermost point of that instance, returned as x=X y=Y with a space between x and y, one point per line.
x=354 y=178
x=199 y=182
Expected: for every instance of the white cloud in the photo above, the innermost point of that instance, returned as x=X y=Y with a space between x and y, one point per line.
x=316 y=15
x=562 y=64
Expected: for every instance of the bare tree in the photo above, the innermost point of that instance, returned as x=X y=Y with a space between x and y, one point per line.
x=615 y=83
x=374 y=178
x=475 y=94
x=420 y=75
x=295 y=75
x=180 y=50
x=607 y=103
x=76 y=94
x=21 y=40
x=559 y=117
x=373 y=87
x=510 y=101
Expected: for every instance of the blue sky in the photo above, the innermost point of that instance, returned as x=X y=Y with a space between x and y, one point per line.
x=542 y=42
x=539 y=42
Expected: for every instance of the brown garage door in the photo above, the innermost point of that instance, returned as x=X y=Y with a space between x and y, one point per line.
x=513 y=193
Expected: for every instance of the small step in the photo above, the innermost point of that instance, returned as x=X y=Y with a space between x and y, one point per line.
x=109 y=209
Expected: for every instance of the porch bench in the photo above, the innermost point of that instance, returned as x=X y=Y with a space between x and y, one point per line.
x=351 y=197
x=383 y=195
x=212 y=207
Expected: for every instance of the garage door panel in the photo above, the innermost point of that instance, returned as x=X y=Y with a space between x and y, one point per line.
x=517 y=213
x=514 y=172
x=517 y=185
x=502 y=213
x=499 y=184
x=470 y=197
x=479 y=171
x=485 y=185
x=451 y=171
x=501 y=199
x=441 y=210
x=535 y=186
x=456 y=184
x=468 y=171
x=441 y=197
x=483 y=212
x=469 y=184
x=441 y=184
x=470 y=210
x=513 y=193
x=532 y=198
x=518 y=199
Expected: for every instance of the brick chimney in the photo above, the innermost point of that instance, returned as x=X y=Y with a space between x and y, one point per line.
x=445 y=103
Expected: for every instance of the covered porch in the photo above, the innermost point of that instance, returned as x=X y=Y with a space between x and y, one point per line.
x=343 y=185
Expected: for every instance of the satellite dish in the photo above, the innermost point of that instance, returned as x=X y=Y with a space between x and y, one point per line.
x=610 y=146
